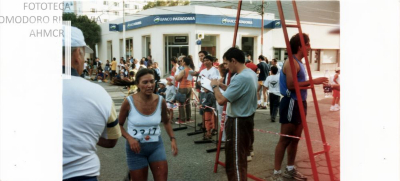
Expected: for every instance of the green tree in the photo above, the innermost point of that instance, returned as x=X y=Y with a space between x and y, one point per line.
x=165 y=3
x=90 y=29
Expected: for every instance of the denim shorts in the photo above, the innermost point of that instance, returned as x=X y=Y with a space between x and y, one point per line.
x=149 y=152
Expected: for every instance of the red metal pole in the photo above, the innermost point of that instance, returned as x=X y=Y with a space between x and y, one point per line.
x=229 y=79
x=296 y=84
x=321 y=128
x=237 y=22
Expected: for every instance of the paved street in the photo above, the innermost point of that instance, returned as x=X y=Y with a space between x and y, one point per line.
x=195 y=164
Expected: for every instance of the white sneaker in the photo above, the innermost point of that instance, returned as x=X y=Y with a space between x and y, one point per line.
x=249 y=158
x=333 y=108
x=252 y=153
x=337 y=106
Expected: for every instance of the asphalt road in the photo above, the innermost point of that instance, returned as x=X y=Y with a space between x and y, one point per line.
x=193 y=163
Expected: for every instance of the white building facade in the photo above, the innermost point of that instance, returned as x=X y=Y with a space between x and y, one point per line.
x=173 y=31
x=105 y=11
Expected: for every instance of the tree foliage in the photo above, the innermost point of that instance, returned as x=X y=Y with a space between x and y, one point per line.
x=90 y=29
x=165 y=3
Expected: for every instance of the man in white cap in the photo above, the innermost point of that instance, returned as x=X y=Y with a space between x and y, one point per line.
x=89 y=117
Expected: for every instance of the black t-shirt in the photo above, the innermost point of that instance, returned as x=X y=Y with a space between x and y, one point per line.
x=264 y=70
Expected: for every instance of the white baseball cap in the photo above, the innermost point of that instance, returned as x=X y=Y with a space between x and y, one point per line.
x=163 y=81
x=171 y=78
x=77 y=39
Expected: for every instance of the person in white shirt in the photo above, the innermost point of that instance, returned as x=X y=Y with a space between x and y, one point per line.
x=170 y=96
x=272 y=84
x=120 y=65
x=210 y=72
x=89 y=117
x=336 y=93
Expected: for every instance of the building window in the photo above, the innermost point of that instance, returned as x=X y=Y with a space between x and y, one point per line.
x=136 y=6
x=116 y=13
x=93 y=10
x=126 y=5
x=129 y=47
x=116 y=4
x=209 y=44
x=105 y=2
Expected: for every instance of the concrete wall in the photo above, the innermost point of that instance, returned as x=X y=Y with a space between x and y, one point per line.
x=320 y=38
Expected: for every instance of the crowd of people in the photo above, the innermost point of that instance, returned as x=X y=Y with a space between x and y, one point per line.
x=119 y=73
x=237 y=83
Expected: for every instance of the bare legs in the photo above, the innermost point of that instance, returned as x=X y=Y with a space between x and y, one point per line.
x=159 y=170
x=289 y=143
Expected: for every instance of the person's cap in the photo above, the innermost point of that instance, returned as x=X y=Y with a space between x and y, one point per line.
x=170 y=78
x=163 y=81
x=77 y=39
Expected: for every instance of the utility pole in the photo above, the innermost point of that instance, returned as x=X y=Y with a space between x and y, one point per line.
x=123 y=30
x=262 y=27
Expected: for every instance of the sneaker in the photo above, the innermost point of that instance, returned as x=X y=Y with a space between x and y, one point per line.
x=293 y=174
x=272 y=120
x=277 y=177
x=333 y=108
x=337 y=106
x=252 y=153
x=190 y=121
x=180 y=122
x=249 y=158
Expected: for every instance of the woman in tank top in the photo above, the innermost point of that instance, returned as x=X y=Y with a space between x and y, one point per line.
x=144 y=112
x=185 y=87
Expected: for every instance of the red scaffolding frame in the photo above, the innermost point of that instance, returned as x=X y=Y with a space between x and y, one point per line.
x=311 y=153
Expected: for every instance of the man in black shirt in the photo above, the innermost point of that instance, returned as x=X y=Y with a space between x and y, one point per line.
x=263 y=70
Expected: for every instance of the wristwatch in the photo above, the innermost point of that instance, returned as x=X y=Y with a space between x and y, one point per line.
x=214 y=86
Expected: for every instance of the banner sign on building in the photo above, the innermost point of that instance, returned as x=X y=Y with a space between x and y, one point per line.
x=113 y=27
x=197 y=19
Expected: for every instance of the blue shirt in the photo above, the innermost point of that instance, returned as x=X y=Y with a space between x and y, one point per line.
x=301 y=77
x=242 y=94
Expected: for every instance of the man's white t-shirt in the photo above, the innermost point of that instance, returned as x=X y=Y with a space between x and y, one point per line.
x=88 y=114
x=212 y=73
x=272 y=82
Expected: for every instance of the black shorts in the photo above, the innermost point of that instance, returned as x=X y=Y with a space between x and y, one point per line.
x=289 y=111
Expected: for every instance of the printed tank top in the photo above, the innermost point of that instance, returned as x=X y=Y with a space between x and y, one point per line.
x=145 y=128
